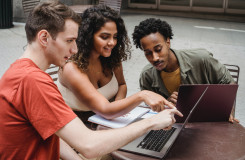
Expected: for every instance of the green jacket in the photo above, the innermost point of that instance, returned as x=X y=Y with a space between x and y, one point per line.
x=197 y=66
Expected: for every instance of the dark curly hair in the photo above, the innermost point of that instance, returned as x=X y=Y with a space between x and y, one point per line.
x=149 y=26
x=92 y=20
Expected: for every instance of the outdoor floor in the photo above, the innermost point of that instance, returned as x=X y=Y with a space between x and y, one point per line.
x=224 y=39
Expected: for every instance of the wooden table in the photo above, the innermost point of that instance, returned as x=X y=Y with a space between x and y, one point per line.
x=202 y=141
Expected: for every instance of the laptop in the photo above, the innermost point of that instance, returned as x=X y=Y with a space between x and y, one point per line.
x=158 y=142
x=216 y=104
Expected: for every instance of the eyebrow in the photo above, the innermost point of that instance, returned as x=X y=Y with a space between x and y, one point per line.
x=71 y=37
x=107 y=33
x=158 y=45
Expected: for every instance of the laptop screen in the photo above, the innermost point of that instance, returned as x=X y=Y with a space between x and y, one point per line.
x=216 y=104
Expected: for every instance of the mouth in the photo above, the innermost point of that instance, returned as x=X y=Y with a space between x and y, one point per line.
x=66 y=58
x=158 y=63
x=108 y=49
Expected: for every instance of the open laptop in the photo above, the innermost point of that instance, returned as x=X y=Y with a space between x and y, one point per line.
x=216 y=104
x=157 y=143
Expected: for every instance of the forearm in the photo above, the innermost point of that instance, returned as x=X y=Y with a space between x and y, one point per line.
x=106 y=141
x=66 y=152
x=92 y=143
x=122 y=92
x=122 y=106
x=117 y=138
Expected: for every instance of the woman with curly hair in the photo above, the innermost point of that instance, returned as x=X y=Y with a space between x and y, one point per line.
x=93 y=80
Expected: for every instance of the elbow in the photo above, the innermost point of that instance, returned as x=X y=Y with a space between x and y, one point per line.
x=89 y=151
x=89 y=155
x=110 y=116
x=107 y=113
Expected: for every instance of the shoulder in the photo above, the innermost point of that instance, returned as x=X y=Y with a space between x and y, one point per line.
x=199 y=52
x=70 y=70
x=26 y=70
x=70 y=66
x=37 y=76
x=147 y=71
x=118 y=68
x=193 y=54
x=72 y=75
x=147 y=68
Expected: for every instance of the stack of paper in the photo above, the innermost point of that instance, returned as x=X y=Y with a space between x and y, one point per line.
x=120 y=121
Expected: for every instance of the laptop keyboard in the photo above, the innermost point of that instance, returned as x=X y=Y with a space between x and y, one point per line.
x=156 y=139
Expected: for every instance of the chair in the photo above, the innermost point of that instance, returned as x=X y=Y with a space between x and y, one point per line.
x=234 y=71
x=53 y=72
x=114 y=4
x=28 y=5
x=80 y=8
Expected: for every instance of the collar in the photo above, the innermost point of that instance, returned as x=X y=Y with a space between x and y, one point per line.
x=184 y=62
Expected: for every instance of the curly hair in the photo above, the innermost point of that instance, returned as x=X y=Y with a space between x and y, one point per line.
x=92 y=20
x=149 y=26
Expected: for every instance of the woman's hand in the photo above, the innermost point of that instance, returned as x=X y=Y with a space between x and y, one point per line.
x=155 y=101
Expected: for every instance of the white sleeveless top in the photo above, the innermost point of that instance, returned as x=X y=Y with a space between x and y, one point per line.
x=108 y=91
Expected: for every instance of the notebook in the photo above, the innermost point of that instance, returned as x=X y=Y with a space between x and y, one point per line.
x=160 y=145
x=121 y=121
x=216 y=104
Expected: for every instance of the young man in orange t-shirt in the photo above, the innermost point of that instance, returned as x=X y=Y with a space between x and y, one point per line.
x=35 y=122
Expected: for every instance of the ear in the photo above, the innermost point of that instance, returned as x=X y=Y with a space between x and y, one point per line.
x=43 y=37
x=168 y=42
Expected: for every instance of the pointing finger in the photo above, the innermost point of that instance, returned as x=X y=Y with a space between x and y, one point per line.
x=175 y=111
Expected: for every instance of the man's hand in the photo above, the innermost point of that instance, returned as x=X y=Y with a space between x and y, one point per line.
x=165 y=119
x=156 y=101
x=233 y=119
x=173 y=98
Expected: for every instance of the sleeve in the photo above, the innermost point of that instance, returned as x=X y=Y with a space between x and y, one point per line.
x=44 y=105
x=217 y=72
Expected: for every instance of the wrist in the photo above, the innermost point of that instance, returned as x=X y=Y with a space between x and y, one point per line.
x=148 y=123
x=142 y=95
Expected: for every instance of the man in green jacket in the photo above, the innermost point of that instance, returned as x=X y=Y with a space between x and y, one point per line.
x=169 y=68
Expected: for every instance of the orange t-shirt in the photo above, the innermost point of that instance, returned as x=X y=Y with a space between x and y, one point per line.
x=171 y=80
x=31 y=111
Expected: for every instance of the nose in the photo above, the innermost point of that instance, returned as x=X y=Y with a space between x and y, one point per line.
x=112 y=42
x=74 y=49
x=155 y=56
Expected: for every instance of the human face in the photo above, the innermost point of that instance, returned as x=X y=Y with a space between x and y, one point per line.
x=157 y=50
x=61 y=49
x=105 y=39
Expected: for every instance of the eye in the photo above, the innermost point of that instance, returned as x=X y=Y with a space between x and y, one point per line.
x=158 y=49
x=70 y=40
x=115 y=36
x=147 y=53
x=104 y=37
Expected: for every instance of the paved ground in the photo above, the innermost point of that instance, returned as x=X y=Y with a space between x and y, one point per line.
x=224 y=39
